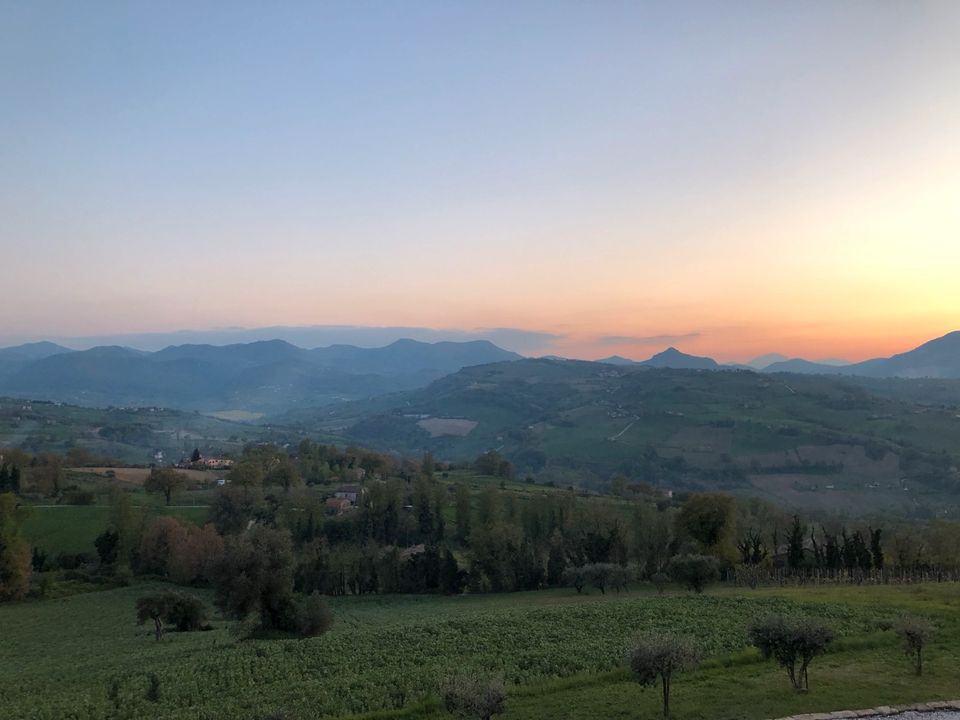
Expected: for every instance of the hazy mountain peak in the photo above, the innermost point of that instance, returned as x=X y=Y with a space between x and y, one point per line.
x=617 y=360
x=762 y=361
x=35 y=350
x=673 y=358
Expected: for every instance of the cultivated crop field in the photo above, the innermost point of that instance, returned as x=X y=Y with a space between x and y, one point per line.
x=60 y=658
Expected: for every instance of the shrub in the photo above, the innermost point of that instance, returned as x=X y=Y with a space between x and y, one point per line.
x=107 y=544
x=660 y=581
x=316 y=617
x=792 y=643
x=79 y=497
x=185 y=612
x=915 y=632
x=598 y=575
x=72 y=561
x=661 y=655
x=574 y=577
x=469 y=696
x=695 y=571
x=619 y=577
x=153 y=688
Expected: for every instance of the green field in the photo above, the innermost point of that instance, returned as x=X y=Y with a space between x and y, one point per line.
x=73 y=528
x=561 y=654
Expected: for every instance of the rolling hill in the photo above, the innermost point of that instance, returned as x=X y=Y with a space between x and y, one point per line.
x=132 y=435
x=807 y=440
x=939 y=358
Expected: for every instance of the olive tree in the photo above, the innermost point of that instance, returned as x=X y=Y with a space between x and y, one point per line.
x=793 y=643
x=164 y=481
x=574 y=577
x=695 y=571
x=183 y=611
x=915 y=632
x=661 y=655
x=471 y=696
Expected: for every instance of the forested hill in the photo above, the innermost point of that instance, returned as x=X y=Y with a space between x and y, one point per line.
x=254 y=377
x=809 y=440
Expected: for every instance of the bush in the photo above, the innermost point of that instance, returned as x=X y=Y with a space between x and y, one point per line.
x=153 y=688
x=72 y=561
x=660 y=581
x=915 y=632
x=792 y=643
x=660 y=656
x=695 y=571
x=574 y=577
x=316 y=617
x=599 y=575
x=79 y=497
x=184 y=611
x=469 y=696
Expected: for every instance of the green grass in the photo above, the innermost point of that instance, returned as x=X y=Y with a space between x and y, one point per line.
x=59 y=529
x=561 y=654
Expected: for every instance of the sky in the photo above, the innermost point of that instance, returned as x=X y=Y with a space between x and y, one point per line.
x=612 y=177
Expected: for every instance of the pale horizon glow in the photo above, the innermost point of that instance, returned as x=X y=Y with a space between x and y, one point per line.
x=731 y=179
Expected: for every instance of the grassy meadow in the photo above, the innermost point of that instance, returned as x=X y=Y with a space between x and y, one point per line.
x=561 y=653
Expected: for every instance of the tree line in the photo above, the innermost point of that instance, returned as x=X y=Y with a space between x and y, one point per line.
x=416 y=527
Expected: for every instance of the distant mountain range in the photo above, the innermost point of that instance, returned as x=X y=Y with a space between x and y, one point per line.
x=938 y=358
x=273 y=376
x=260 y=376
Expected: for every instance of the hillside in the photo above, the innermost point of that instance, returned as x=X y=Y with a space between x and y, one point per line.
x=939 y=358
x=805 y=440
x=254 y=377
x=131 y=435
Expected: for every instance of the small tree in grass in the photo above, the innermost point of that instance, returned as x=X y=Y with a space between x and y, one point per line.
x=574 y=577
x=660 y=656
x=470 y=696
x=660 y=580
x=316 y=617
x=915 y=632
x=598 y=575
x=164 y=481
x=695 y=571
x=185 y=612
x=792 y=643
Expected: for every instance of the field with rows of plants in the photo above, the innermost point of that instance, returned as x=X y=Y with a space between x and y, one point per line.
x=84 y=657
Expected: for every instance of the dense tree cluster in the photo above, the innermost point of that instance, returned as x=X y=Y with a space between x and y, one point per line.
x=10 y=478
x=411 y=526
x=15 y=555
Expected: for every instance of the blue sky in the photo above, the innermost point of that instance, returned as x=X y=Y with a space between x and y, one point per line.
x=713 y=171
